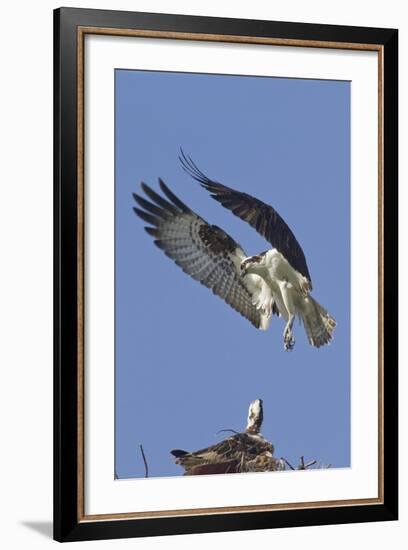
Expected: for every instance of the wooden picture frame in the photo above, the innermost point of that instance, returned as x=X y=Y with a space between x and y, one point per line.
x=71 y=26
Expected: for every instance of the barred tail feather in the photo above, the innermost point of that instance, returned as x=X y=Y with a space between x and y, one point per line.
x=319 y=325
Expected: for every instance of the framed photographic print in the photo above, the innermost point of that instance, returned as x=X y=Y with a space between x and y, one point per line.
x=225 y=274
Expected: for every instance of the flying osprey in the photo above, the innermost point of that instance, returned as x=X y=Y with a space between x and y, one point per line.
x=274 y=282
x=245 y=451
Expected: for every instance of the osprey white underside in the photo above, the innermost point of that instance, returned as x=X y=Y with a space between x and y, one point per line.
x=267 y=280
x=274 y=281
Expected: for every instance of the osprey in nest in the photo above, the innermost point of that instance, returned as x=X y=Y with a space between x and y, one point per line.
x=246 y=451
x=274 y=282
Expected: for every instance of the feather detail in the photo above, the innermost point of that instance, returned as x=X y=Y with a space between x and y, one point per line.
x=262 y=217
x=203 y=251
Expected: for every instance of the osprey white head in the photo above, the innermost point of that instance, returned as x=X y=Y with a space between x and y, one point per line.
x=251 y=265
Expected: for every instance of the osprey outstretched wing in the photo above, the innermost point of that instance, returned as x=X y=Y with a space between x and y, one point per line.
x=203 y=251
x=259 y=215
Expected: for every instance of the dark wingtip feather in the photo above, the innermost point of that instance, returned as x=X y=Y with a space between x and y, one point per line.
x=152 y=231
x=171 y=196
x=140 y=200
x=158 y=200
x=151 y=207
x=160 y=245
x=149 y=218
x=191 y=168
x=146 y=188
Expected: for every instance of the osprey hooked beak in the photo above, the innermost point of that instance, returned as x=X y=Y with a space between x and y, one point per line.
x=250 y=263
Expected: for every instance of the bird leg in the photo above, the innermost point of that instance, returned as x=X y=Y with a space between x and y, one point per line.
x=288 y=339
x=286 y=289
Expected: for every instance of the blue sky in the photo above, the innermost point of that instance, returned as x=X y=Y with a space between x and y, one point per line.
x=187 y=365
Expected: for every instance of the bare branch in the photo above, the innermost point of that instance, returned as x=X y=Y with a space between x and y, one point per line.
x=145 y=461
x=288 y=463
